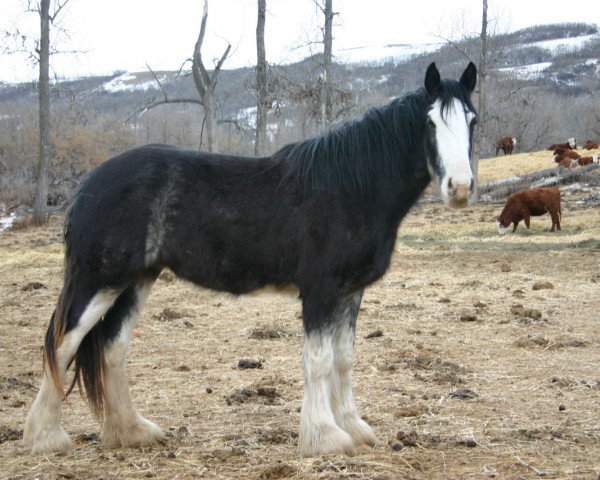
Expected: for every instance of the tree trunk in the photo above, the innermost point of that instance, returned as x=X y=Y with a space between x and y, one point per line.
x=209 y=115
x=261 y=82
x=481 y=136
x=326 y=104
x=501 y=189
x=40 y=204
x=205 y=84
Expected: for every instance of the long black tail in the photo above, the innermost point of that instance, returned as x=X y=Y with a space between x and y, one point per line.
x=58 y=324
x=89 y=358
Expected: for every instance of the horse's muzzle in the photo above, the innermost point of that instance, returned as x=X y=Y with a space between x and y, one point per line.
x=458 y=193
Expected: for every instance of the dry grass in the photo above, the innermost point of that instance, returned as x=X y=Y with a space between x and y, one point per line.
x=504 y=166
x=472 y=384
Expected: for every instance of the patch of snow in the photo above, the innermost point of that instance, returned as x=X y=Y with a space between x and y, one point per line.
x=126 y=83
x=6 y=222
x=380 y=54
x=559 y=44
x=383 y=79
x=248 y=116
x=527 y=72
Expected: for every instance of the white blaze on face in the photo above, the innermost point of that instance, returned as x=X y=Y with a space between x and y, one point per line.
x=452 y=138
x=502 y=230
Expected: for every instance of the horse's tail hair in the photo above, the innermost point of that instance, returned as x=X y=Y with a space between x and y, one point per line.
x=89 y=369
x=58 y=325
x=89 y=358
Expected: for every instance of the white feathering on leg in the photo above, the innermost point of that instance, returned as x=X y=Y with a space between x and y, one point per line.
x=319 y=433
x=43 y=431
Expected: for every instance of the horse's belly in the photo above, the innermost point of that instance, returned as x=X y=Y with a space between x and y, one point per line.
x=288 y=290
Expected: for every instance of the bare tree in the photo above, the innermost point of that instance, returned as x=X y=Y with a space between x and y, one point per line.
x=325 y=79
x=39 y=53
x=205 y=83
x=41 y=188
x=262 y=100
x=40 y=204
x=482 y=106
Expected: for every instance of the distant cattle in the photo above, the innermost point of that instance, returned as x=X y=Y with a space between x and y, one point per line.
x=530 y=203
x=570 y=144
x=591 y=145
x=561 y=153
x=506 y=144
x=566 y=162
x=587 y=160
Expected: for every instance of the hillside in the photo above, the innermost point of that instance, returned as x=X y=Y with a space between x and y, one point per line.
x=542 y=85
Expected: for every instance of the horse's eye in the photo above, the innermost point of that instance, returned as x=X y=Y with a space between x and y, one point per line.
x=430 y=123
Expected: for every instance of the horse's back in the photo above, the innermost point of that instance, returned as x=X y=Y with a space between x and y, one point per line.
x=206 y=216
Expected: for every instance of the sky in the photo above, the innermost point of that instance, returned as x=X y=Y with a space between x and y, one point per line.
x=114 y=35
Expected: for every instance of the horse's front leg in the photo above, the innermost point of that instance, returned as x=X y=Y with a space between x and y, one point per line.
x=319 y=431
x=344 y=407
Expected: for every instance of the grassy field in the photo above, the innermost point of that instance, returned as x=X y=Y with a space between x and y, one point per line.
x=487 y=364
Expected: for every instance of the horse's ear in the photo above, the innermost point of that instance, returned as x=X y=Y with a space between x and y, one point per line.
x=469 y=77
x=432 y=80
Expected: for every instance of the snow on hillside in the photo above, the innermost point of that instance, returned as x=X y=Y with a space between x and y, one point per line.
x=382 y=53
x=129 y=82
x=560 y=44
x=527 y=72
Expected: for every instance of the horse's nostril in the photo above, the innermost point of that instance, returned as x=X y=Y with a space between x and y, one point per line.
x=450 y=184
x=472 y=185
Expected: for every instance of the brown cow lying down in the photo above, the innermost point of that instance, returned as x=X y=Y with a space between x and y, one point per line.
x=587 y=160
x=591 y=145
x=561 y=152
x=570 y=144
x=530 y=203
x=567 y=162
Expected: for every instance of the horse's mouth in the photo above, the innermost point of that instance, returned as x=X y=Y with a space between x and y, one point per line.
x=458 y=196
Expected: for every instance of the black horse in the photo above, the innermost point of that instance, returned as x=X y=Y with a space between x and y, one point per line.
x=320 y=215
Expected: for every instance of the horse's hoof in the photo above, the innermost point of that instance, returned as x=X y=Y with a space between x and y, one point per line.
x=361 y=432
x=325 y=439
x=46 y=440
x=139 y=434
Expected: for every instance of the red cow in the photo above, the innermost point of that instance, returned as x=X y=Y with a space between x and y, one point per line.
x=567 y=162
x=570 y=144
x=561 y=153
x=587 y=160
x=591 y=145
x=506 y=144
x=530 y=203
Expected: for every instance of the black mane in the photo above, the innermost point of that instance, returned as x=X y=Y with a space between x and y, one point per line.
x=385 y=142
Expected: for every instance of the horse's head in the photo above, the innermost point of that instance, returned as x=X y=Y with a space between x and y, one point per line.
x=449 y=134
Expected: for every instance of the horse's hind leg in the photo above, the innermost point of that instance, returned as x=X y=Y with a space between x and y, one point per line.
x=344 y=407
x=43 y=431
x=123 y=426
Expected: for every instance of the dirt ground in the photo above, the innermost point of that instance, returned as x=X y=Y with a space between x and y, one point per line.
x=476 y=357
